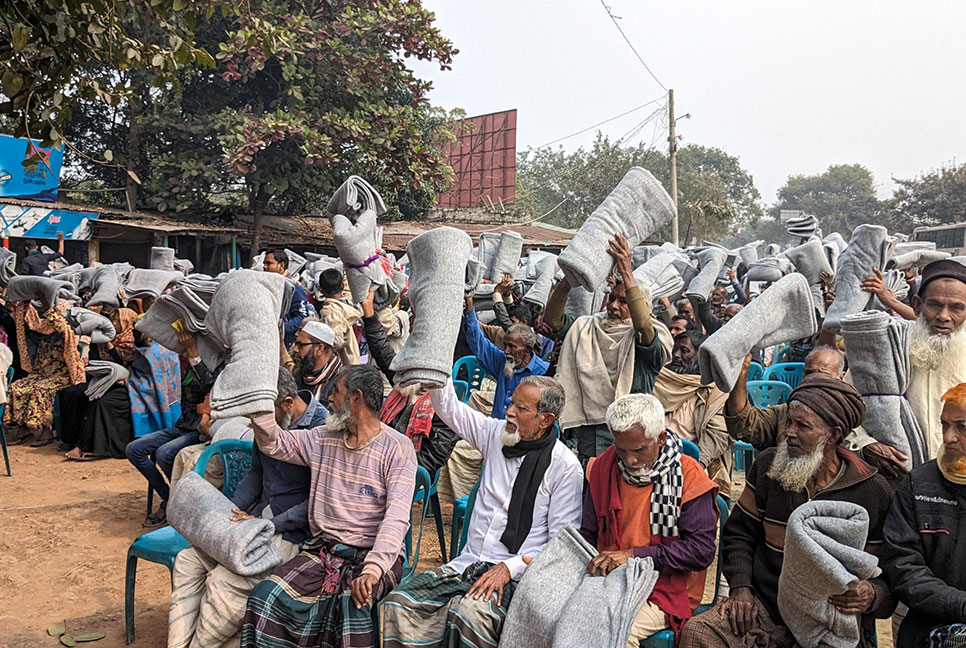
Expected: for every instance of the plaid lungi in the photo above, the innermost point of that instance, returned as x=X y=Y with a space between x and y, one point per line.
x=433 y=611
x=307 y=601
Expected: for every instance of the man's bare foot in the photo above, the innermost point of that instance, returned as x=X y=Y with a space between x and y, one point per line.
x=76 y=454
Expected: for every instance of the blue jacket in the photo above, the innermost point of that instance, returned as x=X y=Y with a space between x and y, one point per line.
x=493 y=360
x=298 y=311
x=281 y=485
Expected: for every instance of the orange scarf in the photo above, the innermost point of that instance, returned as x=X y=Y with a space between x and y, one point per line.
x=53 y=321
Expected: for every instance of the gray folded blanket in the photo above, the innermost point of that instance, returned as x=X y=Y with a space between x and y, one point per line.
x=878 y=350
x=711 y=260
x=547 y=584
x=96 y=326
x=156 y=324
x=824 y=556
x=244 y=318
x=106 y=284
x=101 y=376
x=870 y=247
x=772 y=249
x=202 y=514
x=474 y=274
x=784 y=312
x=162 y=258
x=486 y=251
x=582 y=302
x=661 y=275
x=638 y=207
x=507 y=256
x=539 y=292
x=768 y=269
x=644 y=253
x=355 y=196
x=916 y=258
x=803 y=226
x=601 y=611
x=748 y=253
x=810 y=260
x=149 y=283
x=436 y=288
x=183 y=265
x=8 y=266
x=40 y=289
x=894 y=280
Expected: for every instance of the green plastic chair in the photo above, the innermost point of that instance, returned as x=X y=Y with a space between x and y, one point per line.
x=163 y=545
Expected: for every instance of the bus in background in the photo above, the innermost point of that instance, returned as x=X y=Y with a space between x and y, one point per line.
x=948 y=238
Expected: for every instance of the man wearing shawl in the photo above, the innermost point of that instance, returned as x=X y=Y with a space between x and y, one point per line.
x=808 y=464
x=529 y=491
x=316 y=362
x=923 y=554
x=648 y=500
x=605 y=355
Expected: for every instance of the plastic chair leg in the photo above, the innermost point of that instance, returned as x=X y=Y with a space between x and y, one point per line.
x=130 y=575
x=440 y=530
x=454 y=538
x=150 y=499
x=3 y=440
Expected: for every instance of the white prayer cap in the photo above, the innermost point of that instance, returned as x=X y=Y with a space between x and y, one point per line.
x=320 y=331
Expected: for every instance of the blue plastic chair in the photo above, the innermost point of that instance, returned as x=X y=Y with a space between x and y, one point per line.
x=780 y=352
x=743 y=455
x=790 y=373
x=432 y=503
x=665 y=638
x=755 y=371
x=423 y=486
x=468 y=515
x=462 y=389
x=765 y=393
x=3 y=432
x=163 y=545
x=474 y=371
x=691 y=449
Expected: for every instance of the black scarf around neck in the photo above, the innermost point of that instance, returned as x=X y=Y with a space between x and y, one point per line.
x=536 y=459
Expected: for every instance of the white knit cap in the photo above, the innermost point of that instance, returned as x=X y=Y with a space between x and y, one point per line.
x=320 y=331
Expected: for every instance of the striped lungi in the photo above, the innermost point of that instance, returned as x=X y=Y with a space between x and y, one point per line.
x=307 y=601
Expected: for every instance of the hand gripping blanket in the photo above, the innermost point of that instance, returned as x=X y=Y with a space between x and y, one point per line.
x=661 y=274
x=94 y=325
x=711 y=260
x=601 y=611
x=202 y=514
x=824 y=556
x=8 y=266
x=784 y=312
x=544 y=590
x=894 y=280
x=244 y=318
x=870 y=247
x=636 y=208
x=539 y=292
x=101 y=376
x=106 y=286
x=436 y=288
x=149 y=283
x=162 y=258
x=507 y=256
x=878 y=351
x=41 y=289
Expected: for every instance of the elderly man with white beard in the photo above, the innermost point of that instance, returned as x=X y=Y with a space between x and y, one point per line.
x=530 y=490
x=808 y=464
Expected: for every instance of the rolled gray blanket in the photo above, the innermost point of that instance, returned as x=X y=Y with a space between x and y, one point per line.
x=202 y=514
x=916 y=258
x=810 y=260
x=71 y=273
x=106 y=285
x=149 y=283
x=836 y=239
x=878 y=350
x=486 y=251
x=162 y=258
x=542 y=594
x=295 y=264
x=870 y=247
x=803 y=226
x=824 y=556
x=357 y=249
x=711 y=260
x=768 y=270
x=41 y=289
x=355 y=196
x=183 y=266
x=474 y=274
x=894 y=280
x=661 y=275
x=748 y=253
x=784 y=312
x=583 y=302
x=8 y=266
x=436 y=286
x=191 y=307
x=644 y=253
x=601 y=611
x=507 y=256
x=244 y=318
x=539 y=292
x=92 y=324
x=101 y=376
x=636 y=208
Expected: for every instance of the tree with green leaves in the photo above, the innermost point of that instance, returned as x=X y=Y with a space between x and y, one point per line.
x=932 y=198
x=842 y=198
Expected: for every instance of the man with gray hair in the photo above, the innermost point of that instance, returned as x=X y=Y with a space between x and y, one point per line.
x=529 y=491
x=511 y=365
x=648 y=500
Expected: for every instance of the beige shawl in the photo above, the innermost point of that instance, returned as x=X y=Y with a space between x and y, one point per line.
x=342 y=317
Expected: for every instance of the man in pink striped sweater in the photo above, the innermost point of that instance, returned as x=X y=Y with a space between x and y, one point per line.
x=363 y=476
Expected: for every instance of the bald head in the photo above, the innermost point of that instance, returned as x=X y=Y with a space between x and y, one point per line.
x=826 y=360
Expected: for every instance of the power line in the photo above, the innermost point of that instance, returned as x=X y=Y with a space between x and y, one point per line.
x=631 y=45
x=637 y=128
x=581 y=132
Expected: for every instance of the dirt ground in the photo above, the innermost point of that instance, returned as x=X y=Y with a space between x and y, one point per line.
x=65 y=528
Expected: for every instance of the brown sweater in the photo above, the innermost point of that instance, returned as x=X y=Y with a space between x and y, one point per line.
x=753 y=539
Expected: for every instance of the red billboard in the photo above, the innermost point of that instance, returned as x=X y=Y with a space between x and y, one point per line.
x=484 y=161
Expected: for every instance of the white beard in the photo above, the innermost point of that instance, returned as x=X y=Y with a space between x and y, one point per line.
x=929 y=352
x=508 y=368
x=793 y=473
x=286 y=421
x=508 y=438
x=337 y=422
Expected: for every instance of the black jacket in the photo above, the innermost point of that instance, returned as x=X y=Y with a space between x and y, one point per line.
x=436 y=448
x=923 y=555
x=36 y=263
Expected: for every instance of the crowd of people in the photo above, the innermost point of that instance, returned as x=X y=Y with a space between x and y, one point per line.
x=605 y=427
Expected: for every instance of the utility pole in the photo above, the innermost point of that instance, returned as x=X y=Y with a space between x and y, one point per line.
x=672 y=157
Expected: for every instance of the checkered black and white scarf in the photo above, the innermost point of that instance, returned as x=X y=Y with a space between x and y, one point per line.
x=668 y=479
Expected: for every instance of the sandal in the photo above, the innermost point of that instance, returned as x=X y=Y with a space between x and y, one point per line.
x=80 y=456
x=157 y=518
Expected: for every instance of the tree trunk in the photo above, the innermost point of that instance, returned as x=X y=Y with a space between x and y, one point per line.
x=258 y=212
x=133 y=155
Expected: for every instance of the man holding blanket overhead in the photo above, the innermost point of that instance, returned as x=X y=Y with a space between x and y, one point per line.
x=530 y=490
x=605 y=355
x=363 y=476
x=808 y=464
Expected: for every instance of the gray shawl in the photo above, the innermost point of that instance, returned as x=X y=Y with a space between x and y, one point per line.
x=41 y=289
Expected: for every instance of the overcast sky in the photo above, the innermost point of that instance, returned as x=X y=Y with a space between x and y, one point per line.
x=788 y=87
